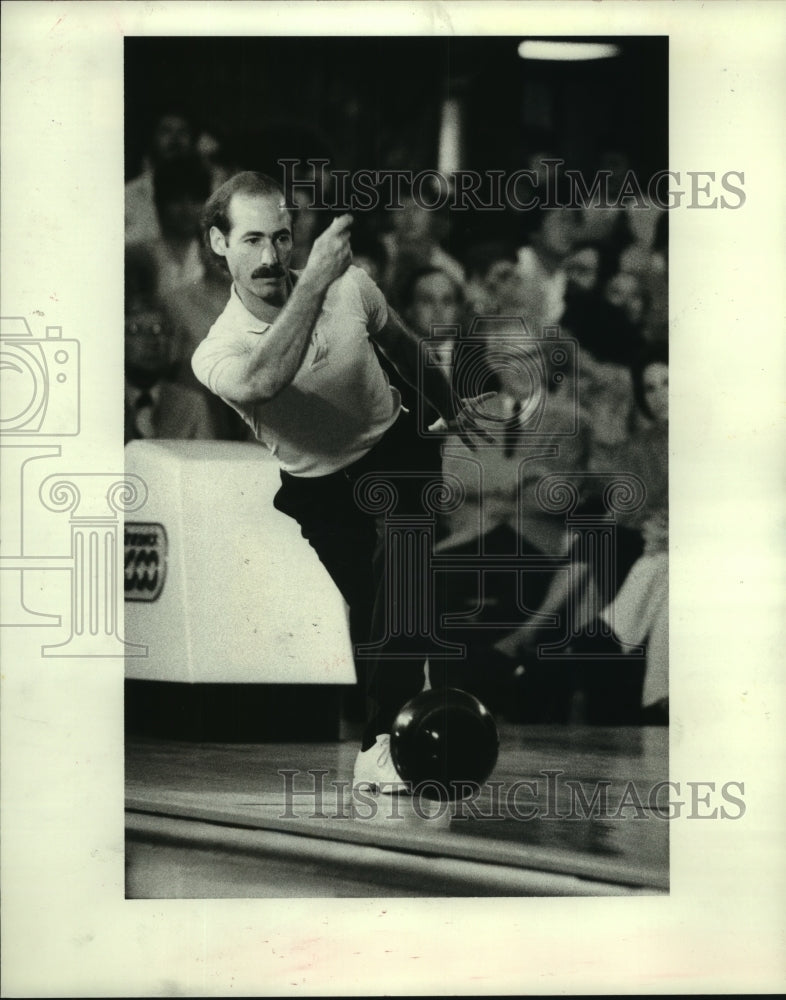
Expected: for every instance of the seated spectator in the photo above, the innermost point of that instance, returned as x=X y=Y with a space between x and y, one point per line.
x=192 y=308
x=213 y=155
x=609 y=224
x=638 y=611
x=588 y=267
x=645 y=453
x=172 y=139
x=430 y=298
x=180 y=189
x=155 y=406
x=603 y=311
x=500 y=513
x=625 y=291
x=648 y=264
x=639 y=615
x=414 y=242
x=190 y=311
x=551 y=236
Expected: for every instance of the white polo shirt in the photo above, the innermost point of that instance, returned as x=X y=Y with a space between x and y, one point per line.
x=339 y=403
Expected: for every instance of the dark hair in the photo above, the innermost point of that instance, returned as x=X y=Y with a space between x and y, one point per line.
x=216 y=210
x=182 y=177
x=607 y=261
x=409 y=286
x=653 y=354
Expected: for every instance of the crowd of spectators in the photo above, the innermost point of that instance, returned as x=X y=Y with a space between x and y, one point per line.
x=597 y=275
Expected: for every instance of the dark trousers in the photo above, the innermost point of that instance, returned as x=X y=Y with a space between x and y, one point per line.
x=352 y=543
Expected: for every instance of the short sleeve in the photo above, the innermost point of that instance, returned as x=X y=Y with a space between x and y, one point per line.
x=212 y=360
x=374 y=304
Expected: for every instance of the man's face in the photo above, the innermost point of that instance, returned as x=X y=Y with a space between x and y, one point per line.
x=435 y=301
x=258 y=247
x=172 y=138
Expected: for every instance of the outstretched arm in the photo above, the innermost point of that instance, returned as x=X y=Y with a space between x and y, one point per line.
x=401 y=346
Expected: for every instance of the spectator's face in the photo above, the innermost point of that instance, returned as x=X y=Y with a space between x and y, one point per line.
x=258 y=247
x=655 y=381
x=624 y=291
x=172 y=138
x=582 y=268
x=559 y=231
x=434 y=301
x=149 y=343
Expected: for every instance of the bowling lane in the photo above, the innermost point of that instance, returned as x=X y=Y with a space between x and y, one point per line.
x=273 y=819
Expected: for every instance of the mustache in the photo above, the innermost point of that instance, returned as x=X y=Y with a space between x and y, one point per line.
x=269 y=272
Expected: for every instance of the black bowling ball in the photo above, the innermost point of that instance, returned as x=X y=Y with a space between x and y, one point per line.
x=445 y=742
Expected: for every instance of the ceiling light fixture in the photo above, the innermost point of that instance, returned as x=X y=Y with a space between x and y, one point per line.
x=567 y=51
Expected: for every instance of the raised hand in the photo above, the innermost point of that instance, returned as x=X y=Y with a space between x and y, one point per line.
x=330 y=255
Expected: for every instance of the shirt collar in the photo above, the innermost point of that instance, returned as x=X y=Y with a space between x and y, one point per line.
x=238 y=315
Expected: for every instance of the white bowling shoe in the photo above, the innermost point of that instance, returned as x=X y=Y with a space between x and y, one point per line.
x=374 y=770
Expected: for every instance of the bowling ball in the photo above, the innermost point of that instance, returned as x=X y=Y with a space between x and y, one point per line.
x=441 y=740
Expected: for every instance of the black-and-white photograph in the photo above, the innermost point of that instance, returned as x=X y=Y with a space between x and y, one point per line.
x=396 y=385
x=391 y=578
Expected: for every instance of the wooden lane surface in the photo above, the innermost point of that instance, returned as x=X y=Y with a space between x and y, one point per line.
x=539 y=827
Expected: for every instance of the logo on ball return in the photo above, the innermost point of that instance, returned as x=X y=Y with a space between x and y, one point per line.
x=145 y=561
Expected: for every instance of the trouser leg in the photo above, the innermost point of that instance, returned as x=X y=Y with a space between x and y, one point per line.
x=396 y=669
x=352 y=544
x=344 y=540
